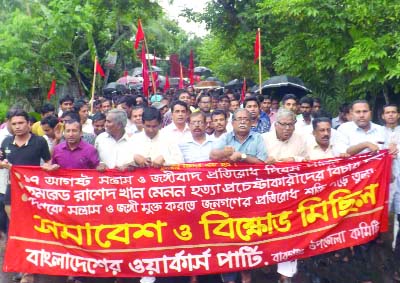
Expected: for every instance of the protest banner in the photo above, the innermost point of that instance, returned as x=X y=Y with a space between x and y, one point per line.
x=192 y=219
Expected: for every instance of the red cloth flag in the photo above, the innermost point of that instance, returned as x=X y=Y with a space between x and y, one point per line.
x=99 y=69
x=181 y=85
x=52 y=90
x=244 y=89
x=191 y=68
x=126 y=73
x=257 y=47
x=139 y=34
x=145 y=72
x=166 y=85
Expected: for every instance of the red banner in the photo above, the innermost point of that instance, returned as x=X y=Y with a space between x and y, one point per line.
x=192 y=218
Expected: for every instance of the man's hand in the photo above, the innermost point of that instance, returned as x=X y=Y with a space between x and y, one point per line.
x=50 y=167
x=236 y=156
x=5 y=164
x=101 y=167
x=158 y=162
x=141 y=161
x=127 y=167
x=372 y=147
x=228 y=151
x=393 y=149
x=288 y=159
x=270 y=160
x=344 y=155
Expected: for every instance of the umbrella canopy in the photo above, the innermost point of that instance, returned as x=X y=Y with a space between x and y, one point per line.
x=214 y=79
x=238 y=84
x=114 y=87
x=207 y=84
x=202 y=71
x=278 y=86
x=129 y=80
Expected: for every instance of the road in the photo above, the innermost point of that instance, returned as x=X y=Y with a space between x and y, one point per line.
x=374 y=260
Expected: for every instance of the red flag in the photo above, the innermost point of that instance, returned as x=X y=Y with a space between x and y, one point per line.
x=257 y=47
x=166 y=85
x=139 y=34
x=181 y=86
x=126 y=73
x=145 y=72
x=244 y=89
x=99 y=69
x=52 y=90
x=191 y=68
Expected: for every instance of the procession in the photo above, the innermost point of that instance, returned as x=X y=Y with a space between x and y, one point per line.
x=143 y=167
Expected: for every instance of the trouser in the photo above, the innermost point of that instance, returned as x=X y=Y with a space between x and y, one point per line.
x=397 y=247
x=3 y=215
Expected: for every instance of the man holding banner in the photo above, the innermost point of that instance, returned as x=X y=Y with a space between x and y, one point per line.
x=241 y=144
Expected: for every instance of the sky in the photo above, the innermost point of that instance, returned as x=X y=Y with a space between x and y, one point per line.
x=173 y=10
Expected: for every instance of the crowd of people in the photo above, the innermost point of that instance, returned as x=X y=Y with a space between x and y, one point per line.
x=127 y=131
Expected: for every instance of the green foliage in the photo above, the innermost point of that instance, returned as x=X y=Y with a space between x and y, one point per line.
x=58 y=39
x=342 y=49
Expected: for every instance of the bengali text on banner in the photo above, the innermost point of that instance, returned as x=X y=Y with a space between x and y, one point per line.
x=192 y=219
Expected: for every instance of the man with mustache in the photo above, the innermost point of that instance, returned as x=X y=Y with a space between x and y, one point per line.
x=283 y=144
x=321 y=146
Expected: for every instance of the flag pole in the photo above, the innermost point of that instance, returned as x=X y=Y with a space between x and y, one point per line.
x=93 y=84
x=148 y=62
x=259 y=60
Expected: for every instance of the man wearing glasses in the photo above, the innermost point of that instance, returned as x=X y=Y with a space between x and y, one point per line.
x=240 y=145
x=283 y=144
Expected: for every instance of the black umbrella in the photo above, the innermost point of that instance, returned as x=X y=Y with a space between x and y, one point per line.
x=214 y=79
x=202 y=71
x=114 y=87
x=278 y=86
x=238 y=84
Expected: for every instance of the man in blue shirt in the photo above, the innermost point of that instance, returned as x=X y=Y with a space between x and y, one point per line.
x=259 y=123
x=241 y=144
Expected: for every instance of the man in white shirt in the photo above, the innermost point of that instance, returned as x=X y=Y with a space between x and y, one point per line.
x=178 y=129
x=360 y=135
x=305 y=118
x=82 y=109
x=282 y=142
x=152 y=149
x=220 y=122
x=114 y=146
x=197 y=147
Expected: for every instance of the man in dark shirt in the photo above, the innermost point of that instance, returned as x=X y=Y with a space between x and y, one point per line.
x=23 y=148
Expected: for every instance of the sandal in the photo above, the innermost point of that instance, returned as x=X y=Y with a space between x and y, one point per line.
x=27 y=278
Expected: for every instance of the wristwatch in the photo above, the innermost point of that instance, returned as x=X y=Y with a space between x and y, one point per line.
x=243 y=156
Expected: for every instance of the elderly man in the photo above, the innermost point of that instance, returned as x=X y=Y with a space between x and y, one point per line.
x=197 y=147
x=241 y=144
x=283 y=144
x=114 y=146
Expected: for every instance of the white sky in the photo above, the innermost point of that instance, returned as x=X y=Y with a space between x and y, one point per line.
x=173 y=10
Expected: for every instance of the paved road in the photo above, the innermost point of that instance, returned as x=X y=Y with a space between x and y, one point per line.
x=373 y=260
